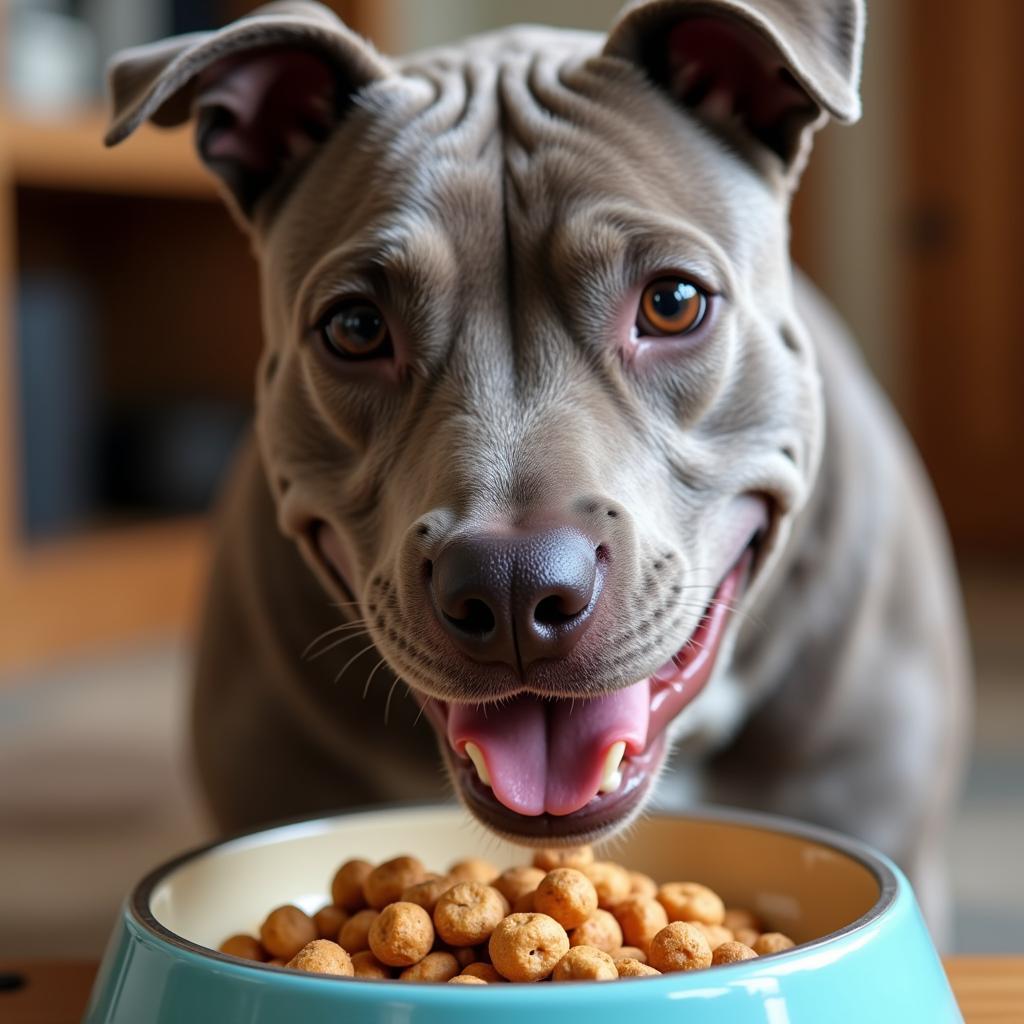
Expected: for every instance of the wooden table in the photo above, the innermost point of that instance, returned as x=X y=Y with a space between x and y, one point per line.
x=990 y=990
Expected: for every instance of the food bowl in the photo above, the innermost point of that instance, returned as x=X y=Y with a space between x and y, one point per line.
x=864 y=952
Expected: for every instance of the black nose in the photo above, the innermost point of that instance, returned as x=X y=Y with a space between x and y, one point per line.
x=517 y=598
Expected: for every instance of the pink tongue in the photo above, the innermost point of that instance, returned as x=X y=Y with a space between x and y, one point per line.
x=548 y=755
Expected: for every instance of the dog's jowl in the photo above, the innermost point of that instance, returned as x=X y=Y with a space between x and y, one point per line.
x=554 y=451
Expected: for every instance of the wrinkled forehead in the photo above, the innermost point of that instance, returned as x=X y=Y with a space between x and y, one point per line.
x=513 y=141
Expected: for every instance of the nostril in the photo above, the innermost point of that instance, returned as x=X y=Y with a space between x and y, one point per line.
x=477 y=619
x=601 y=553
x=553 y=612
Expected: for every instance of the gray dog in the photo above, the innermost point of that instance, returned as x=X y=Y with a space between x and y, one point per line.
x=548 y=431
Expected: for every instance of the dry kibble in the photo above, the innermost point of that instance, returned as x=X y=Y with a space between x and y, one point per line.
x=355 y=932
x=473 y=869
x=466 y=979
x=366 y=965
x=486 y=972
x=737 y=917
x=286 y=930
x=641 y=918
x=347 y=885
x=401 y=935
x=427 y=893
x=525 y=903
x=679 y=946
x=321 y=956
x=748 y=936
x=629 y=967
x=515 y=882
x=433 y=967
x=277 y=962
x=328 y=921
x=716 y=934
x=611 y=881
x=568 y=896
x=629 y=953
x=526 y=947
x=772 y=942
x=600 y=930
x=386 y=882
x=691 y=901
x=585 y=963
x=245 y=946
x=642 y=885
x=468 y=912
x=465 y=955
x=731 y=953
x=563 y=857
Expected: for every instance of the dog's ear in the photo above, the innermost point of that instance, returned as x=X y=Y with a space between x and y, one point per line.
x=265 y=91
x=772 y=70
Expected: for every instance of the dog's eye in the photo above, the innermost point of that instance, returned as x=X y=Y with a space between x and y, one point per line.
x=670 y=306
x=356 y=329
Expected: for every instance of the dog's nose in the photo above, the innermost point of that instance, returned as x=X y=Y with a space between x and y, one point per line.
x=519 y=598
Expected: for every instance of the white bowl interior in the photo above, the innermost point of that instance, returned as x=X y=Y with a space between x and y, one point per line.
x=801 y=887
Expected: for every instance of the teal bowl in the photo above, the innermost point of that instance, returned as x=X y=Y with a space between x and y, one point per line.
x=863 y=950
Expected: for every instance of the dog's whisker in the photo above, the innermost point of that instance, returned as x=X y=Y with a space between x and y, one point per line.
x=369 y=678
x=355 y=657
x=387 y=703
x=331 y=632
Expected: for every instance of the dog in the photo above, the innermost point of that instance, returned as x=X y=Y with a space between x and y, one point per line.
x=551 y=435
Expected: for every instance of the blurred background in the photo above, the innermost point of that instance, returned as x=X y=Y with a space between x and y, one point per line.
x=128 y=336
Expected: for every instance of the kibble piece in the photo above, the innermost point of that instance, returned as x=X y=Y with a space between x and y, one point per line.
x=525 y=903
x=563 y=857
x=642 y=885
x=526 y=947
x=328 y=921
x=514 y=882
x=286 y=930
x=355 y=932
x=321 y=956
x=401 y=935
x=473 y=869
x=466 y=979
x=468 y=912
x=629 y=967
x=716 y=934
x=629 y=953
x=366 y=965
x=347 y=885
x=641 y=918
x=737 y=917
x=748 y=936
x=679 y=946
x=245 y=946
x=386 y=882
x=426 y=893
x=585 y=963
x=277 y=962
x=691 y=901
x=484 y=971
x=600 y=930
x=731 y=953
x=567 y=895
x=611 y=881
x=433 y=967
x=772 y=942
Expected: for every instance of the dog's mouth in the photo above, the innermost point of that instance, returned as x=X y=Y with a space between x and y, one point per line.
x=567 y=770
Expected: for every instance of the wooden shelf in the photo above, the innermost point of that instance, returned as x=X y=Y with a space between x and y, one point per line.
x=88 y=592
x=68 y=153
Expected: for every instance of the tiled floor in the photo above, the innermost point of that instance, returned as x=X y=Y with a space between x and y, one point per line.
x=94 y=789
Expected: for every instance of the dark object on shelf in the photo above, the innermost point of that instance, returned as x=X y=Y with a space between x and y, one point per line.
x=57 y=404
x=169 y=458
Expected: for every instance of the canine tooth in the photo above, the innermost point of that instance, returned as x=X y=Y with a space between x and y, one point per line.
x=476 y=756
x=611 y=778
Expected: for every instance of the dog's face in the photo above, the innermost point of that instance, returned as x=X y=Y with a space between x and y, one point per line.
x=534 y=392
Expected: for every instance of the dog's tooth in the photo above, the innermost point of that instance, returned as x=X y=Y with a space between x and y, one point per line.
x=475 y=755
x=611 y=778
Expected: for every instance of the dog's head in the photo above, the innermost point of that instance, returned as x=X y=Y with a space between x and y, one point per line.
x=534 y=390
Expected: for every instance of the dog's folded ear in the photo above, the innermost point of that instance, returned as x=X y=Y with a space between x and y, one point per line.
x=773 y=70
x=265 y=91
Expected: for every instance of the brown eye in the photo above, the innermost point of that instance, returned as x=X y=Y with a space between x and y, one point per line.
x=670 y=306
x=356 y=329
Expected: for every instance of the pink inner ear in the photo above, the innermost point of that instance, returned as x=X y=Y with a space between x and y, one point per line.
x=723 y=70
x=265 y=110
